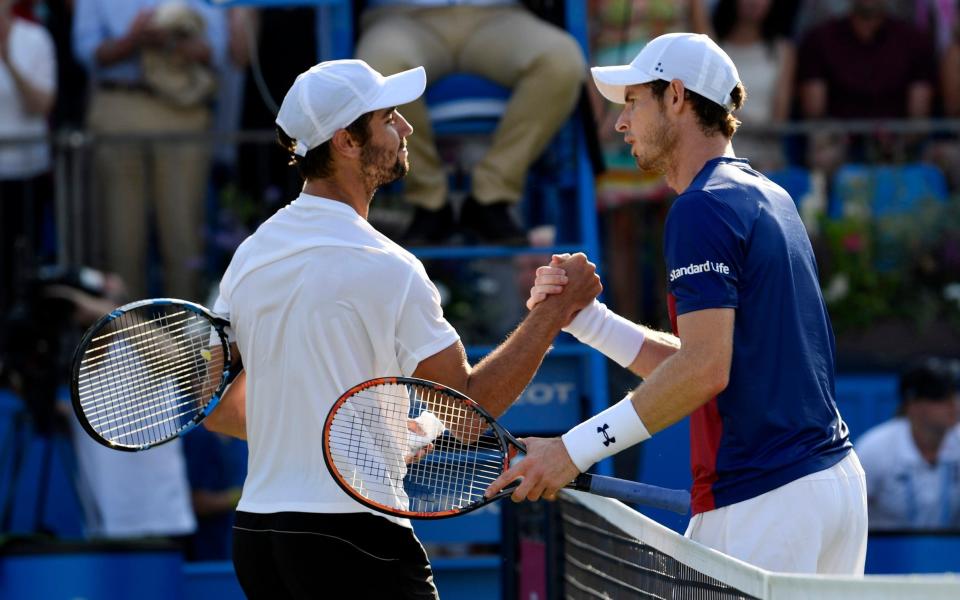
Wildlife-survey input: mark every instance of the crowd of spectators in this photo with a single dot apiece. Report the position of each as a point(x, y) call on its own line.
point(912, 461)
point(134, 70)
point(162, 85)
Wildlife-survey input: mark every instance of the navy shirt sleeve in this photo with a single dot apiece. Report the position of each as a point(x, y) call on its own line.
point(703, 247)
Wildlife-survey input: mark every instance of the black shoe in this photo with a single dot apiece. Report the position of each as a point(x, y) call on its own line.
point(430, 227)
point(492, 223)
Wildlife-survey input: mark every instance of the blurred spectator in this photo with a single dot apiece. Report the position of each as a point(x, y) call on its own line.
point(935, 18)
point(950, 80)
point(811, 13)
point(27, 90)
point(216, 466)
point(619, 31)
point(912, 461)
point(125, 494)
point(152, 67)
point(865, 65)
point(134, 494)
point(748, 30)
point(37, 337)
point(945, 150)
point(39, 331)
point(505, 43)
point(633, 202)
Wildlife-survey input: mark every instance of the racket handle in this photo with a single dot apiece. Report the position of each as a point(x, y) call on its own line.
point(677, 501)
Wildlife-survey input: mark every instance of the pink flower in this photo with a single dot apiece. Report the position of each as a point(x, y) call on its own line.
point(853, 242)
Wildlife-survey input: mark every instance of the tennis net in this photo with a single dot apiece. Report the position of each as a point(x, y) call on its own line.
point(611, 551)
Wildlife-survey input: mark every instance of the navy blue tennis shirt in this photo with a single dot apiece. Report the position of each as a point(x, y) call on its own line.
point(734, 239)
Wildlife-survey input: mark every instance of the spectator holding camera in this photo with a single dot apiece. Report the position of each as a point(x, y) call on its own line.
point(152, 65)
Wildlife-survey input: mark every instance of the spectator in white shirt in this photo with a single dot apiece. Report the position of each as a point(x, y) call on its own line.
point(28, 69)
point(912, 461)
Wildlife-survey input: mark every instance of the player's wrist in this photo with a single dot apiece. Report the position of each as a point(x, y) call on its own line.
point(614, 336)
point(615, 429)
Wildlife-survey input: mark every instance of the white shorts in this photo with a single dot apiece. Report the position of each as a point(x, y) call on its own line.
point(815, 524)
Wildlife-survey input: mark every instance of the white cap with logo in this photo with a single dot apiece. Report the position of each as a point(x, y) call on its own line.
point(693, 58)
point(331, 95)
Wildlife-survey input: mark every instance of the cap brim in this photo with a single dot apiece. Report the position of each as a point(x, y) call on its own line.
point(612, 82)
point(402, 88)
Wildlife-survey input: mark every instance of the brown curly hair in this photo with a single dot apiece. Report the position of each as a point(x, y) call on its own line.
point(712, 117)
point(318, 162)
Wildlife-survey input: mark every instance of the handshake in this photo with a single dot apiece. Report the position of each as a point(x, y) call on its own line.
point(591, 322)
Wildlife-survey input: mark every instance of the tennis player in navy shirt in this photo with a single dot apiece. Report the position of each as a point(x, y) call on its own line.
point(751, 361)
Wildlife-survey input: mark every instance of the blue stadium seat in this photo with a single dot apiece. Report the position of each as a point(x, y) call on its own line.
point(11, 411)
point(462, 103)
point(867, 400)
point(886, 190)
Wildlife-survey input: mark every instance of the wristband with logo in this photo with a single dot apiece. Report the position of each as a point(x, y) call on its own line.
point(615, 429)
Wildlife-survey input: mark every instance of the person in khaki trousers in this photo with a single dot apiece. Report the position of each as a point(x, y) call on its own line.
point(151, 66)
point(500, 41)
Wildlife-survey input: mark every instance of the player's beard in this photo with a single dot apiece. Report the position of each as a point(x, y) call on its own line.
point(382, 165)
point(660, 142)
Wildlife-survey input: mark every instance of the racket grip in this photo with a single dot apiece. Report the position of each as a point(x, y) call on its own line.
point(634, 492)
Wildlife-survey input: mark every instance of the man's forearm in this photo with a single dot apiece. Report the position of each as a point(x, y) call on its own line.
point(683, 383)
point(499, 379)
point(230, 415)
point(658, 346)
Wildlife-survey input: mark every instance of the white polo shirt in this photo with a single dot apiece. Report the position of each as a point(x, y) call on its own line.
point(904, 491)
point(319, 301)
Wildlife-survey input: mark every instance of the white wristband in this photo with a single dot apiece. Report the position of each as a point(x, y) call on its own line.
point(605, 434)
point(601, 328)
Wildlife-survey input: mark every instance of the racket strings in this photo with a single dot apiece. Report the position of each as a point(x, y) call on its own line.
point(159, 358)
point(414, 448)
point(165, 371)
point(179, 374)
point(143, 344)
point(469, 474)
point(148, 374)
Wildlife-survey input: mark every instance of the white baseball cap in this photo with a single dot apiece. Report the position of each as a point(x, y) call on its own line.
point(331, 95)
point(693, 58)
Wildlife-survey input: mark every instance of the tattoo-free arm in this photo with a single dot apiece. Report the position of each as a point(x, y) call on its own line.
point(499, 379)
point(693, 375)
point(230, 415)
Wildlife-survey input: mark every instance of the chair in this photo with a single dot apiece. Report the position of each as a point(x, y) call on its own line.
point(865, 400)
point(885, 190)
point(462, 103)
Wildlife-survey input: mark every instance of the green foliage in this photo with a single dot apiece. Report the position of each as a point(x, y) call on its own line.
point(902, 267)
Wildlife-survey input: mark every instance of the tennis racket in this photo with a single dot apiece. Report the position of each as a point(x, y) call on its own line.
point(418, 449)
point(149, 372)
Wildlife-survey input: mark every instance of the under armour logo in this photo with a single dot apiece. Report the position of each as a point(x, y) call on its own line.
point(659, 67)
point(607, 440)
